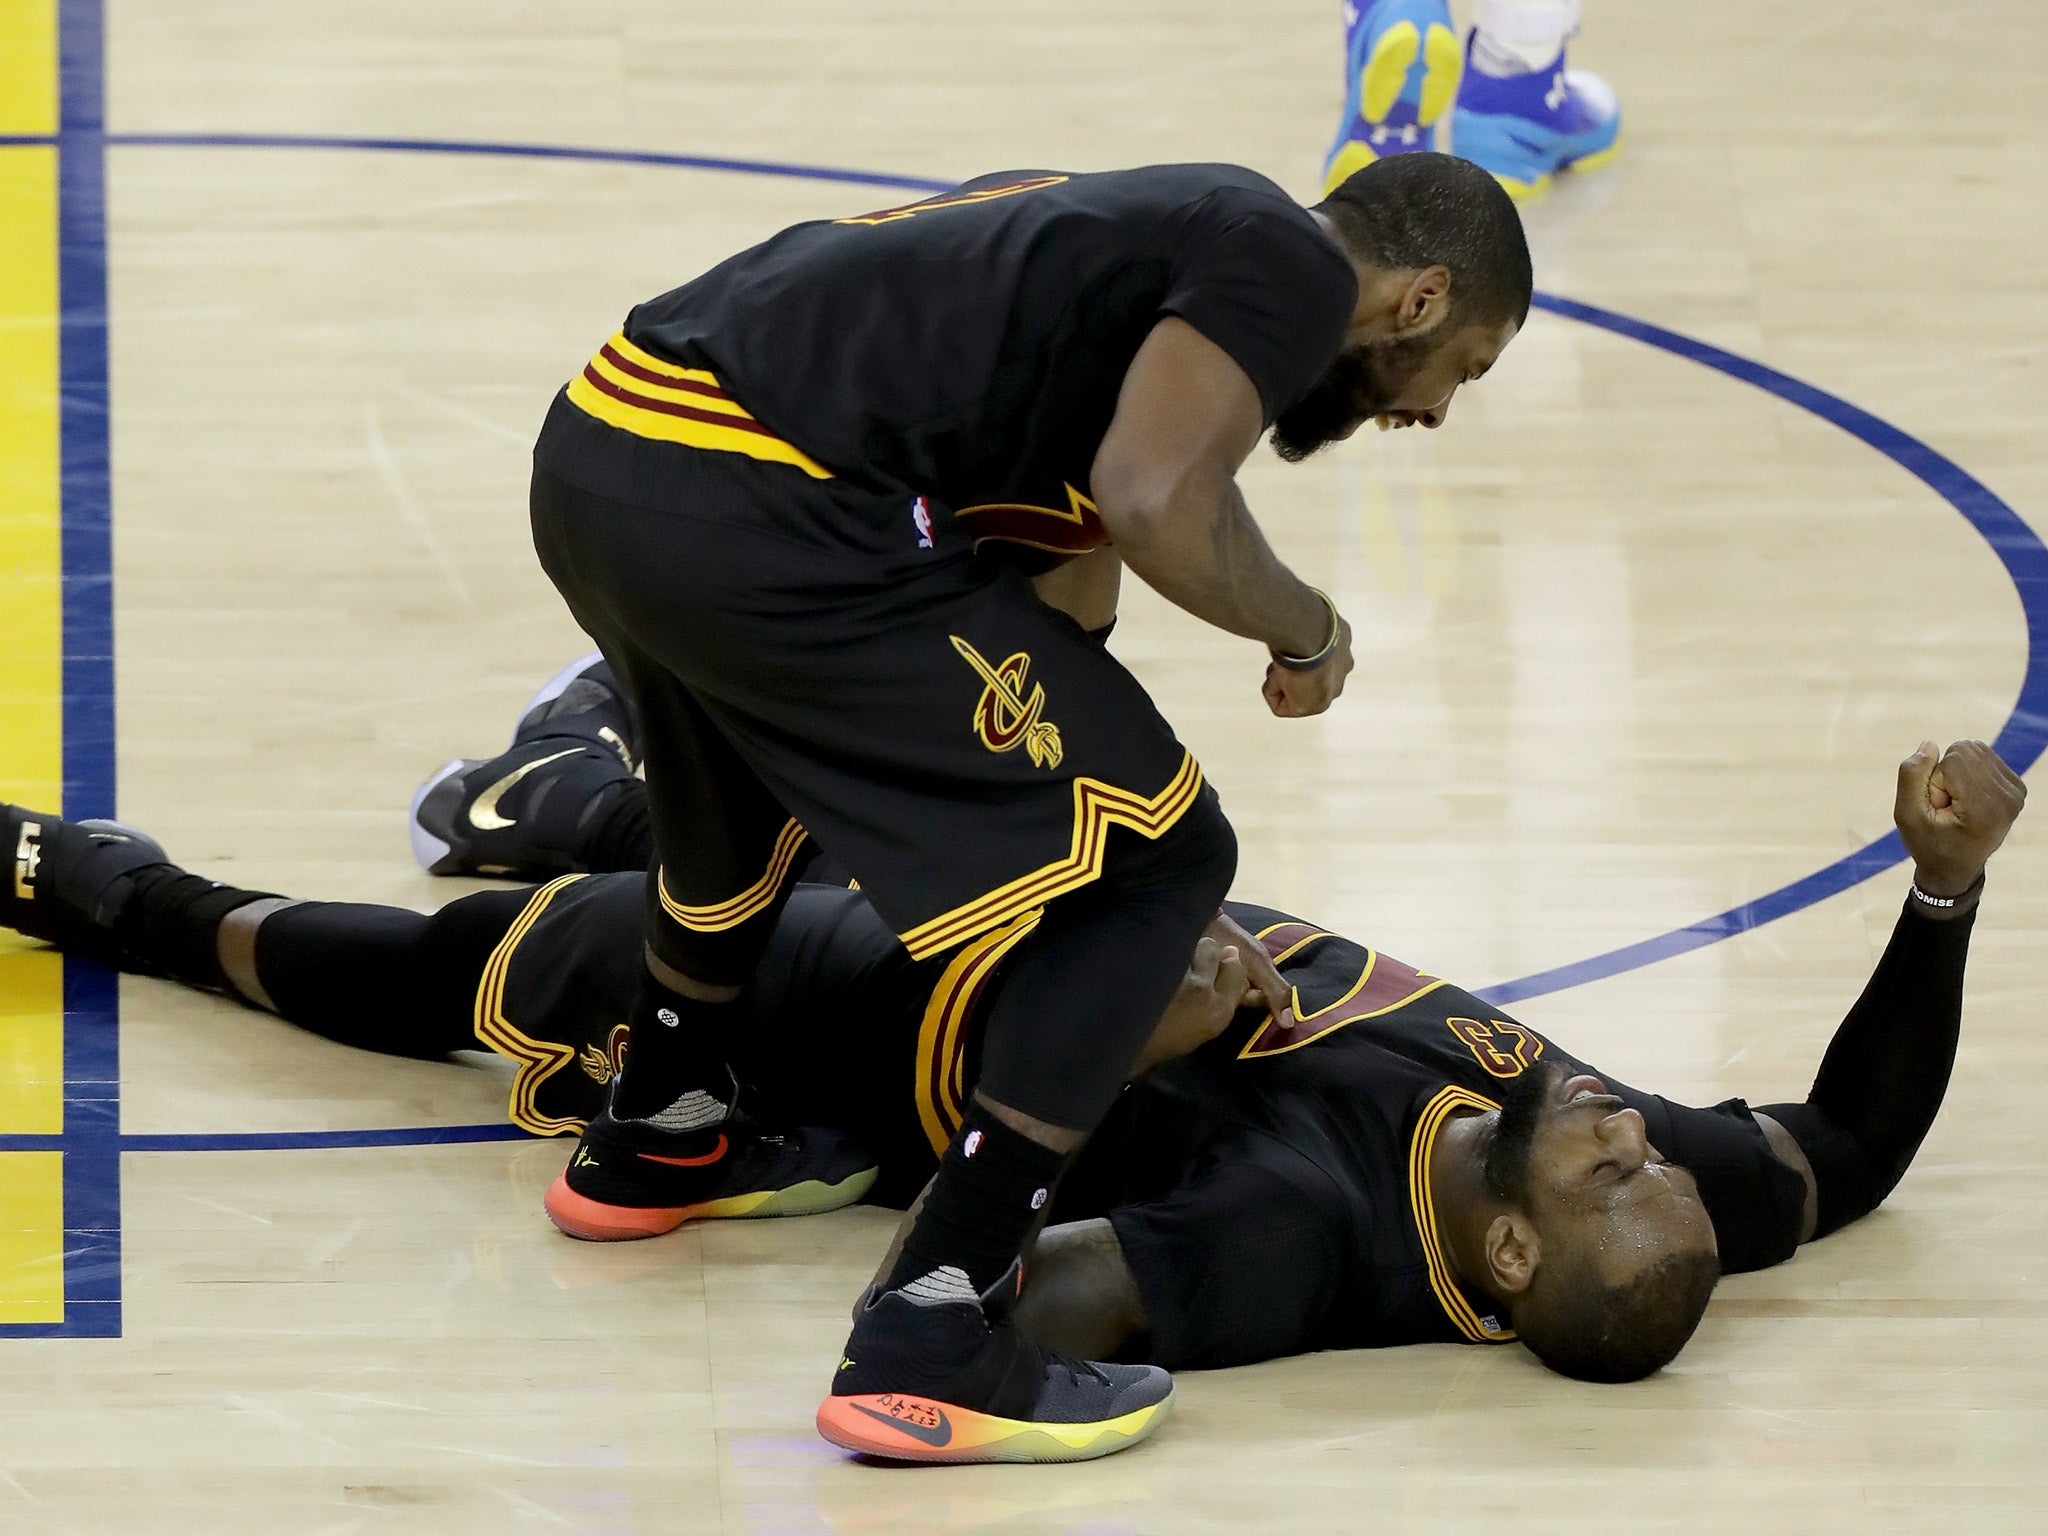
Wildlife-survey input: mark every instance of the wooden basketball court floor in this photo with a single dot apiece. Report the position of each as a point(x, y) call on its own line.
point(1642, 633)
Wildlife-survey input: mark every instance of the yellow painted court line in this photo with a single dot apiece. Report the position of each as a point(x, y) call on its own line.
point(28, 66)
point(31, 621)
point(31, 1237)
point(31, 651)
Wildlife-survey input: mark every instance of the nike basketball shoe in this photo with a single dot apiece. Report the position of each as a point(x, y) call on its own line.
point(528, 811)
point(1525, 128)
point(71, 880)
point(935, 1372)
point(1401, 68)
point(631, 1178)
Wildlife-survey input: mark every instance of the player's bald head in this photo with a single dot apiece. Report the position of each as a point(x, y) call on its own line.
point(1607, 1255)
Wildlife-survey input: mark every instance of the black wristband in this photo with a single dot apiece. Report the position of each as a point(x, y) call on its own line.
point(1942, 907)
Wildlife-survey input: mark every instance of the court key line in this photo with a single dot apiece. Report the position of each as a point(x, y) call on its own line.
point(2018, 548)
point(89, 1142)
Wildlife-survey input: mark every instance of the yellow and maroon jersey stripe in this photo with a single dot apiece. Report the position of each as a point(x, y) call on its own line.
point(755, 899)
point(630, 388)
point(538, 1059)
point(1098, 806)
point(1075, 531)
point(942, 1037)
point(1421, 1200)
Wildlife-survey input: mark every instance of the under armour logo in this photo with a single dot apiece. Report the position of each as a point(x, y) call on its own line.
point(1407, 133)
point(668, 1017)
point(1555, 96)
point(971, 1145)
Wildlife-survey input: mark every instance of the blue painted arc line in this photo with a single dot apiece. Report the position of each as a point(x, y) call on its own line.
point(525, 152)
point(2019, 549)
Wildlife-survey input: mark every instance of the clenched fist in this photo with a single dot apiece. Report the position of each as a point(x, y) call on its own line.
point(1953, 810)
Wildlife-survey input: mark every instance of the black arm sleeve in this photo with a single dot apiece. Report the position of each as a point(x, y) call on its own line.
point(1881, 1083)
point(1754, 1199)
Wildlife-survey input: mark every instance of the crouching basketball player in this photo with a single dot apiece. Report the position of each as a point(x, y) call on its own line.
point(1382, 1159)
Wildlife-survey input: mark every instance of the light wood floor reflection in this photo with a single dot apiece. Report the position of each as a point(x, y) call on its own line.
point(1637, 642)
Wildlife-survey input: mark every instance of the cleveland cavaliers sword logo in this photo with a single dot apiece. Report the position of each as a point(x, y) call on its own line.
point(1005, 715)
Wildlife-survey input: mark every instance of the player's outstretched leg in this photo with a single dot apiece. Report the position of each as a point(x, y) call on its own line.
point(1031, 1404)
point(1521, 113)
point(109, 892)
point(1401, 68)
point(545, 805)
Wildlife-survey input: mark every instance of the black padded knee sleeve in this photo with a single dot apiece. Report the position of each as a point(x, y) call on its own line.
point(383, 978)
point(1082, 994)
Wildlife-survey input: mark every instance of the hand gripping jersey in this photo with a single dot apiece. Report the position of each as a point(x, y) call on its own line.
point(1275, 1190)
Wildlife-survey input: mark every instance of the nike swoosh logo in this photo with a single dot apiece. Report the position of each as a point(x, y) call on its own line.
point(691, 1162)
point(940, 1434)
point(484, 814)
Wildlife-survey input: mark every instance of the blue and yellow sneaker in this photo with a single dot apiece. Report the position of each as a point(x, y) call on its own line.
point(1526, 128)
point(1401, 68)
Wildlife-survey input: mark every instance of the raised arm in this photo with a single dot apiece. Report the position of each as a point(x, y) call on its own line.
point(1165, 488)
point(1881, 1082)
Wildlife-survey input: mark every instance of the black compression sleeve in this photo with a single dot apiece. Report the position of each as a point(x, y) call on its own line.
point(1881, 1083)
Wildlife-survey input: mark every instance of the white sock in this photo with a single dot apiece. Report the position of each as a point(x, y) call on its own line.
point(940, 1286)
point(1519, 37)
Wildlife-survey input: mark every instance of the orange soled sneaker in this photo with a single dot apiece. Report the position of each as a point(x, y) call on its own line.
point(935, 1372)
point(631, 1178)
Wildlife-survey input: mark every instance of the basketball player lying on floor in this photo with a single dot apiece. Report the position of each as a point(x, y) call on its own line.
point(1385, 1159)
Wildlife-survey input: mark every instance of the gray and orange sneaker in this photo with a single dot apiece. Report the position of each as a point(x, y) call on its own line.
point(935, 1372)
point(631, 1179)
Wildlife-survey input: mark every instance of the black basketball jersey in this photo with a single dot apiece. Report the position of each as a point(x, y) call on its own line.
point(1271, 1191)
point(1277, 1193)
point(970, 347)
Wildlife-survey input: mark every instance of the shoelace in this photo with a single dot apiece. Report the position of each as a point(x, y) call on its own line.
point(1075, 1369)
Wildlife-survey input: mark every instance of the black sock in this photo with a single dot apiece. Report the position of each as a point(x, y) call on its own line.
point(992, 1184)
point(171, 923)
point(673, 1048)
point(616, 836)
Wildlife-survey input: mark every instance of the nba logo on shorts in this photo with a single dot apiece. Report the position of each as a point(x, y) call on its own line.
point(971, 1145)
point(921, 516)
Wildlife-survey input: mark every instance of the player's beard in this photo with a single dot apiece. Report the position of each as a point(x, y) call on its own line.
point(1364, 382)
point(1523, 1105)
